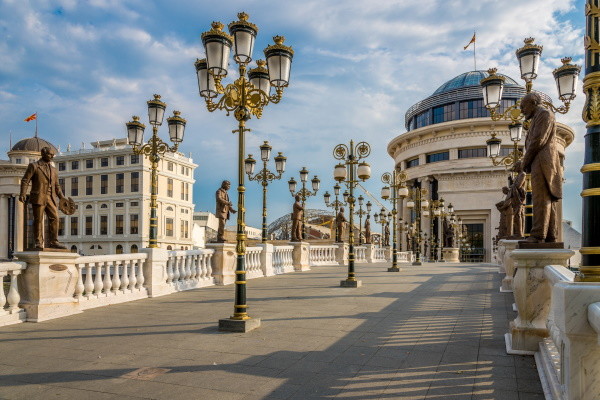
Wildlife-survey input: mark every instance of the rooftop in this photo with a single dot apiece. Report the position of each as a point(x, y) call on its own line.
point(471, 78)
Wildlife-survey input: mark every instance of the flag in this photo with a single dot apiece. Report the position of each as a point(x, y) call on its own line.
point(472, 41)
point(31, 117)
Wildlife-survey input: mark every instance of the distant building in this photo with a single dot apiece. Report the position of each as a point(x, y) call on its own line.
point(205, 228)
point(111, 187)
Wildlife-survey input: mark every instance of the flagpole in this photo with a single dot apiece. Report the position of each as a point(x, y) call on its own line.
point(36, 124)
point(475, 51)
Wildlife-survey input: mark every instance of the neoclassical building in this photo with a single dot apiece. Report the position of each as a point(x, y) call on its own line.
point(444, 150)
point(111, 187)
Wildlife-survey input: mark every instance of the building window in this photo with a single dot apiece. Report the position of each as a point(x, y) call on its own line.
point(61, 182)
point(169, 187)
point(104, 162)
point(134, 159)
point(103, 184)
point(74, 186)
point(443, 113)
point(74, 226)
point(119, 249)
point(133, 224)
point(103, 205)
point(170, 166)
point(134, 248)
point(169, 226)
point(89, 220)
point(118, 224)
point(19, 161)
point(182, 190)
point(74, 165)
point(61, 226)
point(120, 160)
point(435, 157)
point(73, 249)
point(89, 185)
point(119, 205)
point(472, 153)
point(89, 163)
point(506, 150)
point(104, 224)
point(62, 166)
point(412, 163)
point(185, 231)
point(422, 119)
point(120, 183)
point(133, 204)
point(135, 181)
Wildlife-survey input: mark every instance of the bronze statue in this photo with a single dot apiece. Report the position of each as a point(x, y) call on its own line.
point(224, 208)
point(542, 159)
point(44, 185)
point(386, 235)
point(426, 247)
point(297, 217)
point(340, 221)
point(506, 214)
point(517, 199)
point(448, 234)
point(368, 230)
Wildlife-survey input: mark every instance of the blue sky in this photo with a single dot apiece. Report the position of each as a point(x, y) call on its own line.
point(87, 66)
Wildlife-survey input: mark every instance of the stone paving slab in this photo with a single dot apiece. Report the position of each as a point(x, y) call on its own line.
point(429, 332)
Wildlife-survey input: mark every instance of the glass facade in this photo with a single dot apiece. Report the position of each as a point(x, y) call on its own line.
point(435, 157)
point(472, 153)
point(444, 113)
point(412, 163)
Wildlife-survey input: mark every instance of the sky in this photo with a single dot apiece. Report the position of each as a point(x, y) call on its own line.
point(87, 66)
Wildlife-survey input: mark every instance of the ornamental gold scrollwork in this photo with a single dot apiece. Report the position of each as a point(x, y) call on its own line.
point(363, 150)
point(340, 151)
point(386, 178)
point(591, 108)
point(592, 10)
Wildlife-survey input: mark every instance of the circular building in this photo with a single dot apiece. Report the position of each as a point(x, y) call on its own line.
point(444, 151)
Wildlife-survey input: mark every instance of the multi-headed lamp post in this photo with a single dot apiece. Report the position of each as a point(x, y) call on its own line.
point(264, 176)
point(245, 97)
point(419, 202)
point(360, 212)
point(154, 149)
point(350, 172)
point(304, 193)
point(336, 205)
point(397, 183)
point(381, 218)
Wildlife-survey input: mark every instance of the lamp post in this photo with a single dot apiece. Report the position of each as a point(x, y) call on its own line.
point(419, 203)
point(264, 176)
point(381, 218)
point(360, 212)
point(154, 149)
point(245, 97)
point(304, 193)
point(349, 172)
point(397, 183)
point(492, 87)
point(433, 213)
point(336, 205)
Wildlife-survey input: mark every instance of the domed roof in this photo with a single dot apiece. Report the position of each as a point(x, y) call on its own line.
point(470, 78)
point(33, 144)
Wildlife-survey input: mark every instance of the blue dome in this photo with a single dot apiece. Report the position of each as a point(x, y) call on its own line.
point(470, 78)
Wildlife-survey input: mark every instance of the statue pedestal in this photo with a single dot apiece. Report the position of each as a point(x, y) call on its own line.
point(300, 255)
point(450, 254)
point(508, 264)
point(370, 253)
point(48, 284)
point(532, 295)
point(223, 262)
point(341, 253)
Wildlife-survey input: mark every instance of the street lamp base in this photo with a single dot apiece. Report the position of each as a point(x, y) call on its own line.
point(393, 269)
point(238, 325)
point(417, 263)
point(350, 284)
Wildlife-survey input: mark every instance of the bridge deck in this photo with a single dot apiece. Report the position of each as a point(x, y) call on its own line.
point(434, 331)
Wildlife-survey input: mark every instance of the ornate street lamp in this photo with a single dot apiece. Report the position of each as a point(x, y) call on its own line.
point(350, 171)
point(245, 97)
point(335, 205)
point(419, 203)
point(360, 212)
point(264, 176)
point(304, 193)
point(154, 149)
point(397, 181)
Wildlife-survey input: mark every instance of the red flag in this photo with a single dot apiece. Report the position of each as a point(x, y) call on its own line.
point(472, 41)
point(31, 117)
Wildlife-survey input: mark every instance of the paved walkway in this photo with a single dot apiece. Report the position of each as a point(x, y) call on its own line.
point(434, 332)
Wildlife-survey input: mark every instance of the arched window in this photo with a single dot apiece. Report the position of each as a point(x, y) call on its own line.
point(73, 249)
point(134, 248)
point(169, 247)
point(88, 207)
point(169, 208)
point(104, 206)
point(119, 249)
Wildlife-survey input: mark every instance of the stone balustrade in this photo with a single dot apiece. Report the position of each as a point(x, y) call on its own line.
point(253, 262)
point(283, 259)
point(10, 312)
point(380, 254)
point(190, 269)
point(360, 254)
point(323, 255)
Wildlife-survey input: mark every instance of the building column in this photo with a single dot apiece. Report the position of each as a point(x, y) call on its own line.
point(96, 222)
point(19, 224)
point(127, 219)
point(4, 229)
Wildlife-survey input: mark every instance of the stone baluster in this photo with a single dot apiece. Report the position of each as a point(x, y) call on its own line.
point(98, 278)
point(79, 287)
point(176, 262)
point(89, 283)
point(132, 274)
point(107, 280)
point(2, 295)
point(124, 276)
point(116, 282)
point(13, 297)
point(140, 273)
point(170, 269)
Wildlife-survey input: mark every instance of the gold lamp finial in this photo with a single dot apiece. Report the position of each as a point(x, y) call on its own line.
point(157, 97)
point(217, 26)
point(135, 118)
point(243, 16)
point(529, 40)
point(261, 63)
point(278, 39)
point(492, 71)
point(176, 113)
point(566, 60)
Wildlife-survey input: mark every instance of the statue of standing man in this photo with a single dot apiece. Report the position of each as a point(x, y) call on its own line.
point(224, 208)
point(368, 230)
point(44, 185)
point(542, 159)
point(340, 221)
point(297, 217)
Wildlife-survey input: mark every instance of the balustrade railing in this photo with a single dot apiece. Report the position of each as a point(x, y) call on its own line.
point(360, 254)
point(10, 313)
point(322, 255)
point(381, 254)
point(189, 269)
point(253, 263)
point(283, 260)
